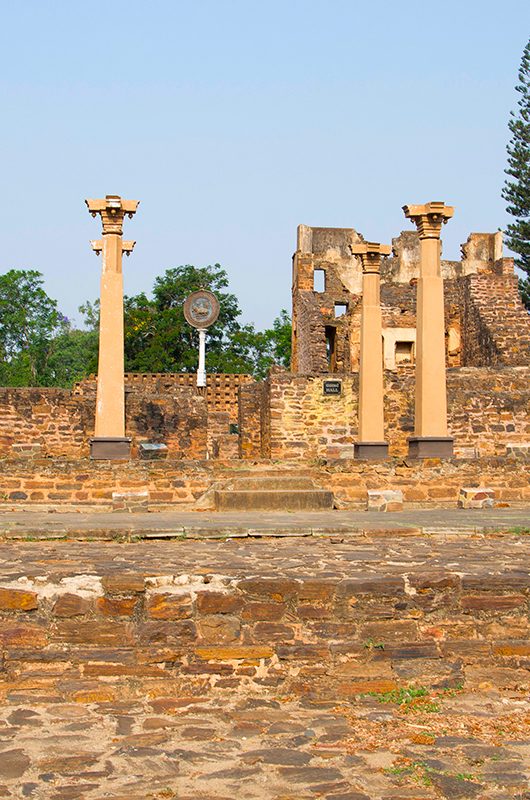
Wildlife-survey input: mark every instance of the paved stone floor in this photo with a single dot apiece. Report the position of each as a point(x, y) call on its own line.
point(342, 555)
point(41, 523)
point(451, 745)
point(446, 744)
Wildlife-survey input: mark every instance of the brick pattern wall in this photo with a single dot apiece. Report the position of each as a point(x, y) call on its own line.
point(52, 418)
point(495, 324)
point(324, 637)
point(487, 409)
point(182, 483)
point(221, 389)
point(62, 423)
point(251, 401)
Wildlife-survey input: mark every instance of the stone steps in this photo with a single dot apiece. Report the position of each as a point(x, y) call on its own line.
point(272, 490)
point(275, 482)
point(273, 500)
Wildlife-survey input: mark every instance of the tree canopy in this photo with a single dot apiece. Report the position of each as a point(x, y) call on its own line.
point(29, 322)
point(516, 190)
point(39, 346)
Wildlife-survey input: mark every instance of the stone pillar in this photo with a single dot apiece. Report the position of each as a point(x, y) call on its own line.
point(430, 438)
point(371, 444)
point(109, 440)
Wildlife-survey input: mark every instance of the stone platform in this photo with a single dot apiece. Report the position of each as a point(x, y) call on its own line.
point(384, 663)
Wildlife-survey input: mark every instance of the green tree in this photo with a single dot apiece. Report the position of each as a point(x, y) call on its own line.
point(516, 190)
point(28, 321)
point(158, 338)
point(73, 355)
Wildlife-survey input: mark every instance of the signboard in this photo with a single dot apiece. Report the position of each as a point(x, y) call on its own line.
point(332, 387)
point(201, 309)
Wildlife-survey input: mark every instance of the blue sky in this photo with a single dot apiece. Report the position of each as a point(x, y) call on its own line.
point(234, 121)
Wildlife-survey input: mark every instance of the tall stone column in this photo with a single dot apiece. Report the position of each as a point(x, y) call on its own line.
point(430, 438)
point(109, 440)
point(371, 444)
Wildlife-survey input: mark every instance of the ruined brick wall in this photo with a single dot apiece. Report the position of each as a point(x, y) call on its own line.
point(51, 418)
point(221, 388)
point(182, 483)
point(180, 420)
point(62, 423)
point(251, 400)
point(113, 635)
point(495, 324)
point(485, 322)
point(487, 409)
point(322, 336)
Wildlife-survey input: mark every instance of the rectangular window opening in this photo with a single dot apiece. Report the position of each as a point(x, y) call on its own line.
point(340, 309)
point(319, 280)
point(404, 352)
point(331, 352)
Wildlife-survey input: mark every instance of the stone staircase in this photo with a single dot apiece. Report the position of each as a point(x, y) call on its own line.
point(272, 492)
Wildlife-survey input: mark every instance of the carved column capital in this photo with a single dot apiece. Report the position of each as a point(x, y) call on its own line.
point(429, 218)
point(126, 246)
point(112, 210)
point(371, 253)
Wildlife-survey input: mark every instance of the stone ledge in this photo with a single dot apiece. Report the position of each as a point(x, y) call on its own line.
point(476, 497)
point(385, 500)
point(130, 501)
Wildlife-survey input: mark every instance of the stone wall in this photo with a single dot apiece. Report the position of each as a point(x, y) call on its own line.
point(171, 628)
point(189, 485)
point(487, 409)
point(52, 418)
point(158, 408)
point(221, 389)
point(251, 409)
point(485, 322)
point(61, 422)
point(495, 325)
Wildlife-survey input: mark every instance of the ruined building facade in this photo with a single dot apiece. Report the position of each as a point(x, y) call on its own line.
point(291, 416)
point(485, 321)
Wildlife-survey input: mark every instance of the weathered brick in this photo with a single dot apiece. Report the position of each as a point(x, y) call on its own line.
point(13, 635)
point(98, 632)
point(17, 600)
point(492, 602)
point(272, 632)
point(263, 611)
point(374, 585)
point(219, 629)
point(71, 605)
point(379, 686)
point(218, 603)
point(164, 632)
point(116, 606)
point(165, 605)
point(234, 653)
point(277, 589)
point(511, 648)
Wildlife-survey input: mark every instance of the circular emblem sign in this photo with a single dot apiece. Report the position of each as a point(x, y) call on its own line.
point(201, 309)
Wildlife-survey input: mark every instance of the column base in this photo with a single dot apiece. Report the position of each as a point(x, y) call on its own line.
point(109, 448)
point(370, 451)
point(430, 447)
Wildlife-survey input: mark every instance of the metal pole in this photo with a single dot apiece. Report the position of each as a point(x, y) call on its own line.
point(201, 372)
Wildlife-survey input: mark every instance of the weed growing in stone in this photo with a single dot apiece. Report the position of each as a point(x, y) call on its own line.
point(371, 644)
point(410, 698)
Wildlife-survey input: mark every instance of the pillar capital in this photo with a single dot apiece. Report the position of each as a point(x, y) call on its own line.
point(429, 218)
point(112, 210)
point(371, 253)
point(126, 246)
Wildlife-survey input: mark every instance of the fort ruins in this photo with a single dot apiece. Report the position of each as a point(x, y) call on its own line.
point(409, 373)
